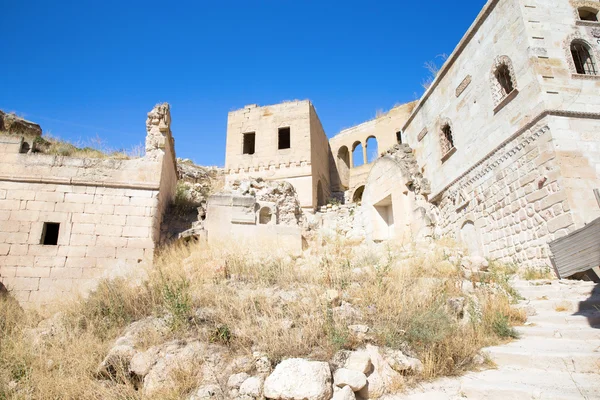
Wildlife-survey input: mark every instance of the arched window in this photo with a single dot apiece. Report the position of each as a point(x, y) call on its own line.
point(372, 149)
point(582, 58)
point(265, 216)
point(588, 14)
point(447, 140)
point(358, 194)
point(357, 155)
point(504, 79)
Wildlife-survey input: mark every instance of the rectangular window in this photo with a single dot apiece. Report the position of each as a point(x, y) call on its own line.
point(284, 138)
point(399, 137)
point(50, 234)
point(249, 143)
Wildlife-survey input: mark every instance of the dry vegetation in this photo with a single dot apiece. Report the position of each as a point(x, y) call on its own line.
point(94, 149)
point(269, 302)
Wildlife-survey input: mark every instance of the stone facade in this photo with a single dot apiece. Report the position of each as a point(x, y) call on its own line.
point(280, 142)
point(67, 222)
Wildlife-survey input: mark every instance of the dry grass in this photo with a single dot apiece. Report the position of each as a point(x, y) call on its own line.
point(270, 302)
point(95, 148)
point(563, 306)
point(532, 274)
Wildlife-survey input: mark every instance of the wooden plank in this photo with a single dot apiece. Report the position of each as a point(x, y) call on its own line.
point(577, 252)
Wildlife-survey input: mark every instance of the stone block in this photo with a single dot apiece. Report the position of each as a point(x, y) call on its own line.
point(80, 262)
point(560, 222)
point(79, 198)
point(101, 252)
point(140, 243)
point(69, 207)
point(131, 253)
point(72, 251)
point(61, 273)
point(130, 210)
point(109, 230)
point(82, 240)
point(52, 197)
point(112, 241)
point(139, 221)
point(43, 261)
point(23, 283)
point(105, 209)
point(33, 272)
point(136, 231)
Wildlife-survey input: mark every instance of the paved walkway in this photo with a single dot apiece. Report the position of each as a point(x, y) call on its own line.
point(557, 357)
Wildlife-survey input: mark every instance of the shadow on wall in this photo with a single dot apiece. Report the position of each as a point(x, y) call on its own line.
point(590, 308)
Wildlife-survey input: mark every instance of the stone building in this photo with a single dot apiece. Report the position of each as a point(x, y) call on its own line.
point(508, 133)
point(66, 222)
point(280, 142)
point(502, 151)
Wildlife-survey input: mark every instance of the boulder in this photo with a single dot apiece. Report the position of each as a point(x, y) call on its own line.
point(344, 393)
point(299, 379)
point(208, 392)
point(252, 386)
point(383, 378)
point(236, 380)
point(347, 377)
point(359, 361)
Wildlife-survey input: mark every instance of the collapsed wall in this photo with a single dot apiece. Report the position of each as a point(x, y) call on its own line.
point(67, 222)
point(255, 213)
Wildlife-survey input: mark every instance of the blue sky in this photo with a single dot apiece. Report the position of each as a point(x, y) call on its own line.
point(84, 69)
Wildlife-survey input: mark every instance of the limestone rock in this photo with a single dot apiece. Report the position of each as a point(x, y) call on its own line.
point(236, 380)
point(359, 361)
point(347, 377)
point(401, 362)
point(252, 386)
point(299, 379)
point(208, 392)
point(116, 362)
point(383, 378)
point(344, 393)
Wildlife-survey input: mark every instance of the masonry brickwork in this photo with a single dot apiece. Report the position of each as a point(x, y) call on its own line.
point(109, 214)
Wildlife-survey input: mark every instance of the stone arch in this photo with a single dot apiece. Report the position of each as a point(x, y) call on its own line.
point(584, 5)
point(578, 38)
point(265, 216)
point(469, 236)
point(503, 79)
point(358, 194)
point(372, 147)
point(320, 194)
point(343, 165)
point(357, 154)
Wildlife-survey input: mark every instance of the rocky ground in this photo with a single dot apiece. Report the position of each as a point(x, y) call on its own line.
point(557, 356)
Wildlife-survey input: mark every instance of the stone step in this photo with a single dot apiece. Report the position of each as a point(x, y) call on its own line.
point(559, 331)
point(586, 318)
point(581, 362)
point(545, 345)
point(571, 304)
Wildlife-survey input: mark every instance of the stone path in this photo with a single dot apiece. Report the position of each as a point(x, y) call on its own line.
point(557, 357)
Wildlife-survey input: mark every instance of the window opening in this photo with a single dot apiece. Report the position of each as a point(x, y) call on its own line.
point(284, 138)
point(265, 216)
point(584, 64)
point(249, 143)
point(50, 233)
point(504, 79)
point(447, 139)
point(399, 137)
point(588, 14)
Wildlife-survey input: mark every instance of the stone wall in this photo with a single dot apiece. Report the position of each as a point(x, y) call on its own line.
point(384, 129)
point(294, 164)
point(513, 203)
point(109, 213)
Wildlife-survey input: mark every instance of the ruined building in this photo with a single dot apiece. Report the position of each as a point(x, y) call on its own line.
point(501, 152)
point(65, 222)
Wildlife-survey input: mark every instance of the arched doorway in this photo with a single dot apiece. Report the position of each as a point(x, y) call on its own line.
point(468, 235)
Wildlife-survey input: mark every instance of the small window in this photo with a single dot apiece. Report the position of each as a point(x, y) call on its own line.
point(447, 140)
point(284, 138)
point(399, 137)
point(249, 142)
point(265, 217)
point(584, 63)
point(50, 233)
point(588, 14)
point(504, 79)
